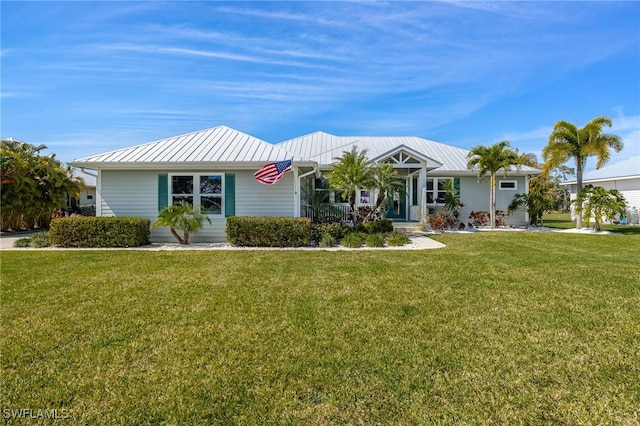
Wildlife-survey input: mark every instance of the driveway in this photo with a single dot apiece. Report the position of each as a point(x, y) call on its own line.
point(7, 240)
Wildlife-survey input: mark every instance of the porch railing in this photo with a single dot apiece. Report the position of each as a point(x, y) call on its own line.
point(327, 212)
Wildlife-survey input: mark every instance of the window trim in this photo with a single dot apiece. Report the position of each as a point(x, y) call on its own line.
point(513, 181)
point(434, 191)
point(196, 190)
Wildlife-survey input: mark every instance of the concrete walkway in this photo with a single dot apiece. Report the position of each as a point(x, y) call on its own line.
point(7, 240)
point(419, 241)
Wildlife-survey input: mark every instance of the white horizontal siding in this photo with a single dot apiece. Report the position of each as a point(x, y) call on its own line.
point(632, 197)
point(629, 188)
point(475, 197)
point(256, 199)
point(505, 196)
point(129, 193)
point(84, 196)
point(135, 193)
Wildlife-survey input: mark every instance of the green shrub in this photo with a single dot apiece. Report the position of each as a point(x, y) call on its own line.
point(327, 240)
point(335, 229)
point(181, 217)
point(374, 240)
point(22, 242)
point(269, 231)
point(112, 231)
point(376, 227)
point(353, 240)
point(38, 240)
point(397, 238)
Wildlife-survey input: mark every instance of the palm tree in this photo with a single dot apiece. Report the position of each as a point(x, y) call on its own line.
point(568, 141)
point(181, 216)
point(350, 172)
point(490, 159)
point(599, 203)
point(538, 200)
point(386, 182)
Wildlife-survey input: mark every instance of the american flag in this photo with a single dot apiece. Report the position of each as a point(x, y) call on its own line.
point(271, 173)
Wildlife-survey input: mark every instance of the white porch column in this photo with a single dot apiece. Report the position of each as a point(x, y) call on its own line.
point(298, 188)
point(296, 193)
point(99, 193)
point(423, 192)
point(526, 191)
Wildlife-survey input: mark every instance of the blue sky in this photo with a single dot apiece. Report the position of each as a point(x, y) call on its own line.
point(89, 77)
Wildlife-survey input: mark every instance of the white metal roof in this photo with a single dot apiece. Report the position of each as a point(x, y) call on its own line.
point(216, 145)
point(324, 148)
point(625, 169)
point(225, 146)
point(88, 179)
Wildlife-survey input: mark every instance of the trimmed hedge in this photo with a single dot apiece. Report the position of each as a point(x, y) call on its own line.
point(111, 231)
point(267, 231)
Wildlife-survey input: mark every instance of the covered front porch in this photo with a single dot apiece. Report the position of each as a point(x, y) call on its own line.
point(407, 204)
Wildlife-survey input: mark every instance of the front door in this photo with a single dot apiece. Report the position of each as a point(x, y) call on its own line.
point(397, 205)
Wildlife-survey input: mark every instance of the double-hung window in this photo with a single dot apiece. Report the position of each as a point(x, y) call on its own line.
point(204, 190)
point(436, 190)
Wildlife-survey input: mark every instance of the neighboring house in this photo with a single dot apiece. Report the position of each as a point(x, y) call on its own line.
point(86, 203)
point(623, 176)
point(215, 168)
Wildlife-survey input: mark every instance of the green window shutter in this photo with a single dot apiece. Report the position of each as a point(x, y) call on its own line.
point(456, 185)
point(414, 191)
point(229, 195)
point(163, 191)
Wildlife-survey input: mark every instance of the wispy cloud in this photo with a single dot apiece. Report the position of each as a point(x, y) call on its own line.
point(432, 69)
point(279, 15)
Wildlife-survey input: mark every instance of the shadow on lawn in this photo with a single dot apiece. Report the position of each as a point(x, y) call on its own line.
point(623, 229)
point(563, 221)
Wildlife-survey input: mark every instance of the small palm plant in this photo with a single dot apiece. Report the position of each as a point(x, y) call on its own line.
point(181, 216)
point(599, 203)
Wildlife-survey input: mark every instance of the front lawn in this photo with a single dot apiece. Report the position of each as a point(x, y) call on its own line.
point(498, 327)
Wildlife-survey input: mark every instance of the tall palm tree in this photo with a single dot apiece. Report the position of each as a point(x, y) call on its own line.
point(568, 141)
point(350, 172)
point(489, 160)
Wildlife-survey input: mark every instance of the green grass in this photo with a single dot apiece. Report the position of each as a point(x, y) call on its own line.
point(563, 221)
point(496, 328)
